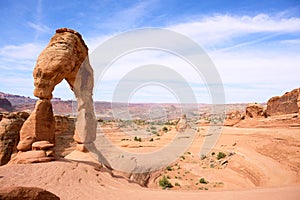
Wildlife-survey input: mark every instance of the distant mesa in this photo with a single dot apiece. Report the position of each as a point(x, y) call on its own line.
point(5, 105)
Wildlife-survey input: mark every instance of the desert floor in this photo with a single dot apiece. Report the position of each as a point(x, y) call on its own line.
point(260, 163)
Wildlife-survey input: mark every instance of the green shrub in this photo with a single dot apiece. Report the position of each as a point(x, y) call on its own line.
point(151, 140)
point(137, 139)
point(177, 184)
point(169, 168)
point(165, 183)
point(165, 129)
point(203, 181)
point(221, 155)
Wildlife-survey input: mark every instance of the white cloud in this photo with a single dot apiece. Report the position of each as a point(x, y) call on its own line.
point(221, 28)
point(40, 28)
point(28, 51)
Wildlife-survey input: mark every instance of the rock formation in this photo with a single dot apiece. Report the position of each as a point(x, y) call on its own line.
point(255, 110)
point(234, 117)
point(33, 193)
point(5, 105)
point(289, 103)
point(10, 126)
point(182, 124)
point(65, 57)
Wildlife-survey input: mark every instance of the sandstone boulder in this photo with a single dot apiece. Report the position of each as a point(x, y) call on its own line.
point(255, 111)
point(288, 103)
point(20, 193)
point(42, 145)
point(10, 126)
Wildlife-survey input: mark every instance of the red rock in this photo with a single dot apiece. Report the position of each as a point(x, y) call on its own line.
point(288, 103)
point(39, 126)
point(20, 193)
point(255, 111)
point(42, 145)
point(10, 126)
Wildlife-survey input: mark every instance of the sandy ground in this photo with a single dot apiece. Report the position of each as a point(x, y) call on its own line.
point(265, 164)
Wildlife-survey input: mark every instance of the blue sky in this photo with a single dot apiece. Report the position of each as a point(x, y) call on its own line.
point(255, 45)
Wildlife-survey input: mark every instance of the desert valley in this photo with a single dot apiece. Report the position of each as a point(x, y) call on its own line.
point(257, 154)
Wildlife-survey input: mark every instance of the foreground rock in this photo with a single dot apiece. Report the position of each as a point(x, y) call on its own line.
point(10, 126)
point(32, 193)
point(288, 103)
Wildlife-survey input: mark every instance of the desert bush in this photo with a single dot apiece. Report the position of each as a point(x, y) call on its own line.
point(169, 168)
point(203, 181)
point(221, 155)
point(165, 183)
point(137, 139)
point(165, 129)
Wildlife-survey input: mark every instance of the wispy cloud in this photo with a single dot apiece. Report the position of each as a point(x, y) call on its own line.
point(37, 25)
point(127, 18)
point(39, 28)
point(219, 29)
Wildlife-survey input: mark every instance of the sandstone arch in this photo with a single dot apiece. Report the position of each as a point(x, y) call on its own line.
point(65, 57)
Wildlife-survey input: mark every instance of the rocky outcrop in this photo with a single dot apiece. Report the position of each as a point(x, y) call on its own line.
point(182, 124)
point(234, 117)
point(65, 57)
point(288, 103)
point(10, 126)
point(5, 105)
point(32, 193)
point(255, 110)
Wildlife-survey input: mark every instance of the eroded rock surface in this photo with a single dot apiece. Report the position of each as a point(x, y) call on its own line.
point(288, 103)
point(255, 110)
point(32, 193)
point(10, 126)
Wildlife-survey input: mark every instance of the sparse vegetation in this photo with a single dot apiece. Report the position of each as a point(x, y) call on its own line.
point(203, 157)
point(169, 168)
point(137, 139)
point(165, 183)
point(177, 184)
point(151, 140)
point(221, 155)
point(165, 129)
point(203, 181)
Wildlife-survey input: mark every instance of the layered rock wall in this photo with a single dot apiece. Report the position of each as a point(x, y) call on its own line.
point(288, 103)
